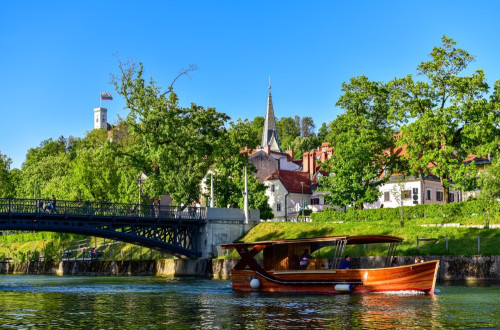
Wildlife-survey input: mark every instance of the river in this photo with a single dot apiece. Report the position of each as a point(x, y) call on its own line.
point(179, 303)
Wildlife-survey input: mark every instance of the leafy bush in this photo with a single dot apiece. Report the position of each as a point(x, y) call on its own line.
point(451, 210)
point(34, 256)
point(20, 257)
point(53, 251)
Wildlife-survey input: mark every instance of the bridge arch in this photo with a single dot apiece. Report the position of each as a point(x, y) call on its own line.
point(161, 227)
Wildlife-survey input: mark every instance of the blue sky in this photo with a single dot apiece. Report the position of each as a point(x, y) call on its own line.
point(56, 57)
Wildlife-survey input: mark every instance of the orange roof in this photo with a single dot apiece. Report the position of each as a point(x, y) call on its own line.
point(292, 180)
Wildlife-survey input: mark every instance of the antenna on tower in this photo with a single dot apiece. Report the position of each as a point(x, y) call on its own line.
point(269, 82)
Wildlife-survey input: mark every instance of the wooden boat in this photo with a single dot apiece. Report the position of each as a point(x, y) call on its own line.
point(279, 271)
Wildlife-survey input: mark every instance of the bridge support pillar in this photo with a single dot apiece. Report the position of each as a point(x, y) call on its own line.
point(224, 226)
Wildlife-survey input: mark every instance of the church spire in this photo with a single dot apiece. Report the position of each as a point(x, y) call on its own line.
point(270, 131)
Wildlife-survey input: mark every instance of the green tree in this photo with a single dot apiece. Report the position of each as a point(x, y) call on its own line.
point(229, 167)
point(445, 117)
point(489, 182)
point(360, 136)
point(323, 132)
point(175, 145)
point(46, 168)
point(306, 127)
point(257, 126)
point(304, 144)
point(7, 188)
point(287, 131)
point(94, 172)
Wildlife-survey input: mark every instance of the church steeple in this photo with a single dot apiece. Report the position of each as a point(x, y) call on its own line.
point(270, 131)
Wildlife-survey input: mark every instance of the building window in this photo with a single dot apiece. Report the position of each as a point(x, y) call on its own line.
point(272, 188)
point(387, 196)
point(406, 194)
point(314, 201)
point(429, 194)
point(96, 119)
point(278, 207)
point(439, 196)
point(451, 197)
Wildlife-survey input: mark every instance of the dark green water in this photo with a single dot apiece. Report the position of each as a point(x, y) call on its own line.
point(179, 303)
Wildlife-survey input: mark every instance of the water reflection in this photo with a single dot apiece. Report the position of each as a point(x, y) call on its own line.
point(141, 302)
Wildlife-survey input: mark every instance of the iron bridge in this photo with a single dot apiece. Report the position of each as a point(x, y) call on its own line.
point(162, 227)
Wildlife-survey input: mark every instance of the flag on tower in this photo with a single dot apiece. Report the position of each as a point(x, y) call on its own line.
point(106, 96)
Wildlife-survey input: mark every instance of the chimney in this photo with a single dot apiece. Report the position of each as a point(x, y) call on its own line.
point(290, 153)
point(267, 149)
point(305, 162)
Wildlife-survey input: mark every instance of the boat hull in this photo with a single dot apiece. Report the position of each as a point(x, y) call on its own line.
point(416, 277)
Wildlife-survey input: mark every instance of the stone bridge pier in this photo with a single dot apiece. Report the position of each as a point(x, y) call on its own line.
point(224, 226)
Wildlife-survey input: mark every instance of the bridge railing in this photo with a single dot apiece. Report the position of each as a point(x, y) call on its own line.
point(102, 209)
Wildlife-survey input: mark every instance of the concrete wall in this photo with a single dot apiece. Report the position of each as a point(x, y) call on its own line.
point(224, 226)
point(450, 267)
point(166, 267)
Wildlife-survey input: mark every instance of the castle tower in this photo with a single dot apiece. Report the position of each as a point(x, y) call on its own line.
point(100, 118)
point(270, 132)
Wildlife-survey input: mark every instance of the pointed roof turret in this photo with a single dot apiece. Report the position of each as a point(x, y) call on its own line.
point(270, 131)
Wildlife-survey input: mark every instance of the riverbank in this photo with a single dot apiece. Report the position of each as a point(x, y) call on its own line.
point(452, 268)
point(435, 240)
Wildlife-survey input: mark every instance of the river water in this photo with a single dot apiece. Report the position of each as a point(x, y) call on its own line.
point(180, 303)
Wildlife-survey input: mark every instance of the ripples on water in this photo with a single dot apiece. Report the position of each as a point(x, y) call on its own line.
point(149, 302)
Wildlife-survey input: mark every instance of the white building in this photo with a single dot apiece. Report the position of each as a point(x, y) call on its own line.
point(413, 191)
point(287, 192)
point(100, 118)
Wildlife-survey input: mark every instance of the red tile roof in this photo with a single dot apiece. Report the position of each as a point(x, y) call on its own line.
point(291, 180)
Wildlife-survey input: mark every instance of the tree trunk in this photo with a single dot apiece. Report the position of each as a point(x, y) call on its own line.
point(487, 216)
point(446, 190)
point(401, 212)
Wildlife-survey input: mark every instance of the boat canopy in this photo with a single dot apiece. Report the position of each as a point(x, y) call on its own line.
point(320, 241)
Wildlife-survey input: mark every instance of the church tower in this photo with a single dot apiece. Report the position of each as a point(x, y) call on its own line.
point(270, 132)
point(100, 118)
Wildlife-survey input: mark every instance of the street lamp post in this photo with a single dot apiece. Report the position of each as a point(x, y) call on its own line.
point(302, 184)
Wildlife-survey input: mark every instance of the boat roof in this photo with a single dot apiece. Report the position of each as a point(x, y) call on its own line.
point(322, 241)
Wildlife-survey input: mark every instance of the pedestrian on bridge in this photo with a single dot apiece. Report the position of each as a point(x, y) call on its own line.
point(53, 203)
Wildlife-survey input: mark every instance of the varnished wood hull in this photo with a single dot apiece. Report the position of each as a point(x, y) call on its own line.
point(416, 277)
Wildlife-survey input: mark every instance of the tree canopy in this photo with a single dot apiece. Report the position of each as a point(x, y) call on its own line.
point(360, 138)
point(445, 117)
point(175, 145)
point(228, 172)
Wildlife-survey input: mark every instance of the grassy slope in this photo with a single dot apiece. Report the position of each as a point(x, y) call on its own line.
point(29, 242)
point(461, 241)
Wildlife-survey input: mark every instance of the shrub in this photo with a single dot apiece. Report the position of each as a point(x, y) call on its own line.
point(451, 210)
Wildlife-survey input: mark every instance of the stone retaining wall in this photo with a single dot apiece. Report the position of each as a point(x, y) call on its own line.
point(451, 267)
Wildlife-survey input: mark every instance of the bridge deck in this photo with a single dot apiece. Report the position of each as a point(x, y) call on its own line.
point(170, 228)
point(39, 208)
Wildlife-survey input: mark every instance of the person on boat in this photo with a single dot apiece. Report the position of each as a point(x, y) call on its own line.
point(395, 262)
point(305, 259)
point(417, 260)
point(346, 264)
point(422, 260)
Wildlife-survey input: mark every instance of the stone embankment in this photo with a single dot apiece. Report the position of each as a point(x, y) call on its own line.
point(451, 267)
